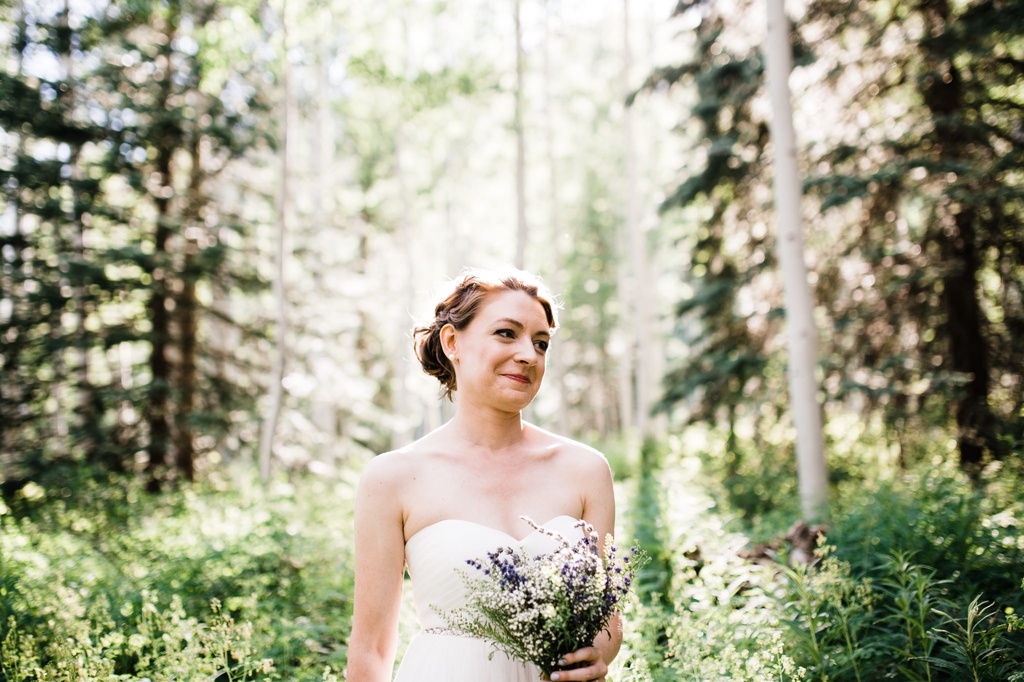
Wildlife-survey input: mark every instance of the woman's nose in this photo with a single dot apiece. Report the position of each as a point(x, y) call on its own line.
point(526, 352)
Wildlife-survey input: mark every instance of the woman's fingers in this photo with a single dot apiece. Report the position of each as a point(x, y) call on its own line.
point(593, 666)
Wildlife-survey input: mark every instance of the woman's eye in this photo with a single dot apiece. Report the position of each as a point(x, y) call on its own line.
point(506, 333)
point(542, 346)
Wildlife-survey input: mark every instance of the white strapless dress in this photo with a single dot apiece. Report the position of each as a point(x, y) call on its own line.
point(436, 557)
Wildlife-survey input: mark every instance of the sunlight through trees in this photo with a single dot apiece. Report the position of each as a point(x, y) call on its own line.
point(222, 219)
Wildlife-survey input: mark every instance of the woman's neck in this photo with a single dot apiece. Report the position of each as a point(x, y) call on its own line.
point(487, 430)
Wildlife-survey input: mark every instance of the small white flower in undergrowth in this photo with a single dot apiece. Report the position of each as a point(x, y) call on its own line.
point(538, 608)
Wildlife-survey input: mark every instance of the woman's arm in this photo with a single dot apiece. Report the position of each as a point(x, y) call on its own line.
point(598, 495)
point(610, 640)
point(379, 570)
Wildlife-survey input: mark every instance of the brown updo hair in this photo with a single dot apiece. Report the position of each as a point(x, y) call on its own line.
point(460, 306)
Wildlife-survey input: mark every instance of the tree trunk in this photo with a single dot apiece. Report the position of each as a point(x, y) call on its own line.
point(186, 316)
point(276, 386)
point(186, 311)
point(85, 417)
point(405, 281)
point(556, 360)
point(158, 409)
point(642, 291)
point(802, 333)
point(956, 235)
point(61, 441)
point(522, 230)
point(321, 151)
point(968, 351)
point(157, 416)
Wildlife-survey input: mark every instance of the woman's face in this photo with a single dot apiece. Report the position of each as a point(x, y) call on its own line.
point(499, 356)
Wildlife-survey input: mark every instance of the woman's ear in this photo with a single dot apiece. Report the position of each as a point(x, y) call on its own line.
point(448, 334)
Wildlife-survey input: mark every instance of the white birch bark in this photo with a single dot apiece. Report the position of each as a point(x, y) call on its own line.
point(322, 184)
point(276, 386)
point(802, 333)
point(556, 361)
point(641, 290)
point(401, 433)
point(521, 231)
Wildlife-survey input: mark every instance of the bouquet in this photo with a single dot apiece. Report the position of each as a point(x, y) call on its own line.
point(538, 608)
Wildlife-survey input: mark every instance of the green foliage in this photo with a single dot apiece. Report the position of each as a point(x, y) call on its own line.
point(827, 612)
point(116, 250)
point(649, 528)
point(920, 579)
point(976, 652)
point(714, 620)
point(190, 585)
point(933, 216)
point(915, 243)
point(167, 645)
point(911, 596)
point(963, 531)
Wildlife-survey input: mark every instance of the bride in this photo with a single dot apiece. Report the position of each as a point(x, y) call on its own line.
point(461, 490)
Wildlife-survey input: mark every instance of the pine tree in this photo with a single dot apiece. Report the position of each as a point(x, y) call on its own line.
point(935, 199)
point(116, 236)
point(730, 345)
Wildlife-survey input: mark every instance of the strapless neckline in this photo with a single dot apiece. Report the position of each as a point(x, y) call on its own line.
point(496, 531)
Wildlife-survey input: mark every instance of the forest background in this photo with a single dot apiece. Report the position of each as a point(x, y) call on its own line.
point(222, 220)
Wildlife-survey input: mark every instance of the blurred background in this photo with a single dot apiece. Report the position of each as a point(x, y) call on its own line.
point(223, 219)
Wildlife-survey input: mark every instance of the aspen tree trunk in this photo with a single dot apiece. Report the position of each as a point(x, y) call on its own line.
point(803, 355)
point(623, 351)
point(555, 361)
point(638, 257)
point(401, 433)
point(321, 151)
point(522, 231)
point(276, 386)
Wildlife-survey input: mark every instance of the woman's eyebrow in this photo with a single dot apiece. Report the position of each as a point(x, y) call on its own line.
point(519, 325)
point(508, 320)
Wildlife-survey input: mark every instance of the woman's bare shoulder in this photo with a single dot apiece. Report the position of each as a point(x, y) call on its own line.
point(395, 464)
point(388, 482)
point(573, 452)
point(402, 464)
point(591, 476)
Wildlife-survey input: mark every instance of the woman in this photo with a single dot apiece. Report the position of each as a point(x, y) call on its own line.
point(462, 489)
